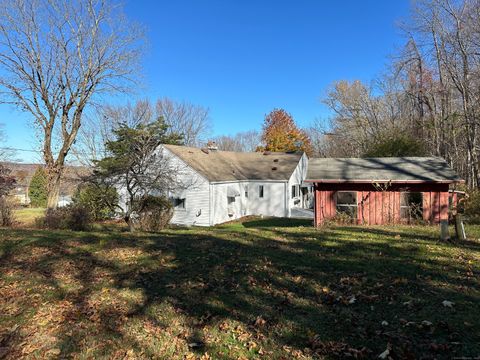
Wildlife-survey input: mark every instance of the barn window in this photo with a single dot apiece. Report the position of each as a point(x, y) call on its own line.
point(246, 191)
point(411, 206)
point(347, 203)
point(260, 191)
point(178, 204)
point(230, 200)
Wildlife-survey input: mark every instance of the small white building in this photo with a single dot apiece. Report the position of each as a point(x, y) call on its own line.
point(227, 185)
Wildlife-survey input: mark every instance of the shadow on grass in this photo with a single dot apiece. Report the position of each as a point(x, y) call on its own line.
point(276, 222)
point(288, 290)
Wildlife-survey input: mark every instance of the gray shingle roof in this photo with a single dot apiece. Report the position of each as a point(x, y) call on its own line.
point(232, 166)
point(395, 169)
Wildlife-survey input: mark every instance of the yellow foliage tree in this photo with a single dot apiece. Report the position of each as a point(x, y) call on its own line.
point(280, 133)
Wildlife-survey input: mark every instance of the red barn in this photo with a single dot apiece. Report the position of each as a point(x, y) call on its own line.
point(379, 191)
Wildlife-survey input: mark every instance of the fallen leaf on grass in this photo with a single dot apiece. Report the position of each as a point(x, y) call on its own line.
point(259, 321)
point(338, 349)
point(448, 304)
point(54, 352)
point(386, 353)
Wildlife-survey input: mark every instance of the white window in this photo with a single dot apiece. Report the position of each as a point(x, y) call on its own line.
point(178, 204)
point(260, 191)
point(230, 200)
point(246, 191)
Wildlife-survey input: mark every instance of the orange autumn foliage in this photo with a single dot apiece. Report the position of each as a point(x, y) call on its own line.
point(281, 134)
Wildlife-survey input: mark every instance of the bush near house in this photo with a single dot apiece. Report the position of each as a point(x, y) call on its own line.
point(152, 213)
point(71, 217)
point(37, 190)
point(99, 200)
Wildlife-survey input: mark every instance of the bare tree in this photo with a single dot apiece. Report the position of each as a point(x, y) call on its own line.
point(318, 133)
point(445, 35)
point(192, 121)
point(98, 128)
point(6, 153)
point(358, 116)
point(430, 92)
point(227, 143)
point(250, 140)
point(57, 57)
point(246, 141)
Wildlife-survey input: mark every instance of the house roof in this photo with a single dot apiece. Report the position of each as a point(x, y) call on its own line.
point(216, 165)
point(394, 169)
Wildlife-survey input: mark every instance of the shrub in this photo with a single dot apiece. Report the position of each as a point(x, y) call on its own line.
point(342, 218)
point(98, 200)
point(37, 190)
point(72, 217)
point(6, 211)
point(152, 213)
point(472, 206)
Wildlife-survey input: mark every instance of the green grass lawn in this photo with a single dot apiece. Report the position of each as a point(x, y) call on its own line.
point(255, 289)
point(26, 216)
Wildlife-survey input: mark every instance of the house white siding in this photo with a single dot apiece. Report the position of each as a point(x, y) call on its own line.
point(296, 180)
point(197, 207)
point(271, 204)
point(273, 201)
point(224, 211)
point(196, 193)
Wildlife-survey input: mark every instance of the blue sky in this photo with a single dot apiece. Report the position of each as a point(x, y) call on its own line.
point(241, 59)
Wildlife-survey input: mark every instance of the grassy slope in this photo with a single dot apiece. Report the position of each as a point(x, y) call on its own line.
point(258, 289)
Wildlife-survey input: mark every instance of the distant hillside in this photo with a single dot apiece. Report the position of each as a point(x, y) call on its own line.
point(23, 174)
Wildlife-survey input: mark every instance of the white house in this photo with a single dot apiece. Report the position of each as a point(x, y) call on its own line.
point(225, 185)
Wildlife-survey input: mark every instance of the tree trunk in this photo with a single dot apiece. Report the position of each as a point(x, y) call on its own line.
point(53, 188)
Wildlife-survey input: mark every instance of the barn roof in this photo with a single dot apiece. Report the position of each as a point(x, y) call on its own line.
point(393, 169)
point(216, 165)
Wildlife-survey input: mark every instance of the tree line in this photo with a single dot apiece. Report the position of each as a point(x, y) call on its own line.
point(427, 103)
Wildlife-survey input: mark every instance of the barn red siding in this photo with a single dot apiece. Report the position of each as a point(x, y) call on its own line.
point(376, 207)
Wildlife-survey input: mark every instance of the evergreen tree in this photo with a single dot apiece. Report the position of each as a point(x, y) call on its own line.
point(395, 145)
point(37, 190)
point(134, 164)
